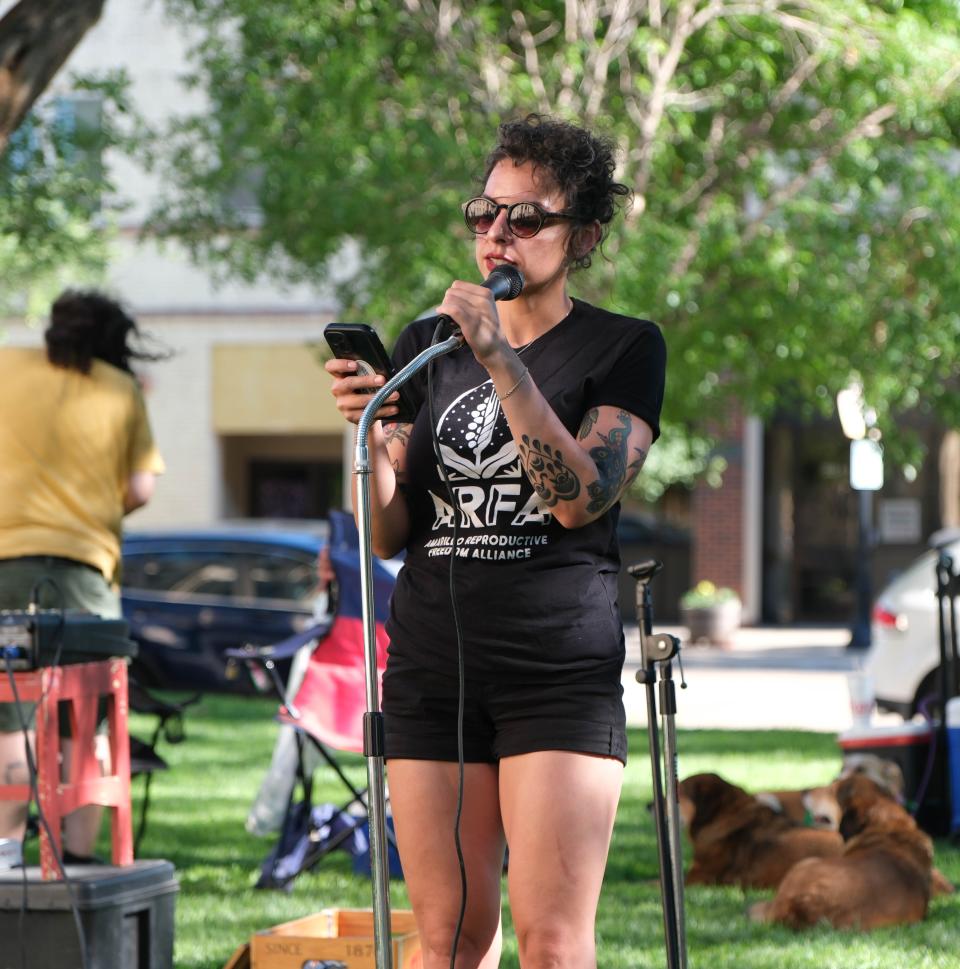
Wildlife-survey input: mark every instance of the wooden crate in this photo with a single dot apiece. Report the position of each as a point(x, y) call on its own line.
point(337, 935)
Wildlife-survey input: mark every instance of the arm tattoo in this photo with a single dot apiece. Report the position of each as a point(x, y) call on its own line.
point(615, 473)
point(16, 772)
point(551, 478)
point(589, 419)
point(393, 431)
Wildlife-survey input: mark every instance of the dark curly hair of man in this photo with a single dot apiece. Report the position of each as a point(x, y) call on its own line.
point(580, 164)
point(86, 325)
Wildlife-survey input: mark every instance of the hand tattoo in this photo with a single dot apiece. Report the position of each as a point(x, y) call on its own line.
point(611, 461)
point(550, 477)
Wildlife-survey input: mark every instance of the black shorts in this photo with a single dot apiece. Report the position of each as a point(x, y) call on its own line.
point(502, 718)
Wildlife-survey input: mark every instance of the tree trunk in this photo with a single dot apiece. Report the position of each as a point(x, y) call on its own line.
point(36, 37)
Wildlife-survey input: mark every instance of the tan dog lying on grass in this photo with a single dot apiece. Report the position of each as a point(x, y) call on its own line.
point(883, 877)
point(817, 807)
point(738, 841)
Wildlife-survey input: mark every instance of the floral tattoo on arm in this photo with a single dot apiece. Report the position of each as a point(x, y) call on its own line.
point(551, 478)
point(555, 481)
point(614, 468)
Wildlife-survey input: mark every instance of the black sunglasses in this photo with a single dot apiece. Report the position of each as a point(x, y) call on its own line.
point(524, 219)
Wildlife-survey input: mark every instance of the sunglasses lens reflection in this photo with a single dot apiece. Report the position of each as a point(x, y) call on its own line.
point(480, 215)
point(523, 218)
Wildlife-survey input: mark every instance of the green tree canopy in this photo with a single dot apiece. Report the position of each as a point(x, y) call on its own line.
point(54, 189)
point(793, 163)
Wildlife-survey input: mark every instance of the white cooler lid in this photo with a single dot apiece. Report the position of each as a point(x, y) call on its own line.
point(953, 712)
point(906, 732)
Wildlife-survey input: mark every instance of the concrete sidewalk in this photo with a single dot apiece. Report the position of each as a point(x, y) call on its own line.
point(769, 678)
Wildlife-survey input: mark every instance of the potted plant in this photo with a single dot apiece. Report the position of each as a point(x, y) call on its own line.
point(711, 613)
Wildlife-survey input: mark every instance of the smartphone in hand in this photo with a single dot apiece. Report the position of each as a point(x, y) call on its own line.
point(360, 342)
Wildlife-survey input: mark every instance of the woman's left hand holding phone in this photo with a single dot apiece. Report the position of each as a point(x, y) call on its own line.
point(352, 390)
point(389, 517)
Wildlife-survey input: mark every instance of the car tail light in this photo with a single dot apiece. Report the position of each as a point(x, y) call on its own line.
point(888, 620)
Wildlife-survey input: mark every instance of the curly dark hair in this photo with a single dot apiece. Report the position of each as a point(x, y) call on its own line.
point(579, 163)
point(85, 325)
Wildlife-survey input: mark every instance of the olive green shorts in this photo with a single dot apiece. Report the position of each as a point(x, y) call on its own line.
point(56, 583)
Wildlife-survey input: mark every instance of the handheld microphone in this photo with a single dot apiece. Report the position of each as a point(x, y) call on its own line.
point(505, 282)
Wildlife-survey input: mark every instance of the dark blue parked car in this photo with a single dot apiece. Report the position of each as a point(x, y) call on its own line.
point(191, 594)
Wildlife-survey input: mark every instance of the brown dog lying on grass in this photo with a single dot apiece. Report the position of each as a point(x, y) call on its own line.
point(739, 841)
point(817, 807)
point(883, 877)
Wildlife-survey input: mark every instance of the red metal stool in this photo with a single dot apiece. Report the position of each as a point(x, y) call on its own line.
point(80, 686)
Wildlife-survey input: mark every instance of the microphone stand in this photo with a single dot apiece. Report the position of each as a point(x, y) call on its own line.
point(659, 650)
point(373, 733)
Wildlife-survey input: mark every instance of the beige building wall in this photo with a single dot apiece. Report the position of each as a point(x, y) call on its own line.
point(235, 388)
point(239, 376)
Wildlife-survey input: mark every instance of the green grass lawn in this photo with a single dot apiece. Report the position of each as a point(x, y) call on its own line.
point(198, 809)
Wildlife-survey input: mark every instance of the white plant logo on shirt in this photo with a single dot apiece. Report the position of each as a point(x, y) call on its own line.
point(474, 444)
point(483, 465)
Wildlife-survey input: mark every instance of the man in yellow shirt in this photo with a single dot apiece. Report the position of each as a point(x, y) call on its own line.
point(76, 456)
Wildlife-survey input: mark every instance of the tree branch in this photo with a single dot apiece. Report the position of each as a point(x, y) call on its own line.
point(532, 60)
point(870, 126)
point(620, 30)
point(661, 74)
point(36, 38)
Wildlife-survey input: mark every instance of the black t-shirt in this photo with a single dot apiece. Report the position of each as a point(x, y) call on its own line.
point(534, 598)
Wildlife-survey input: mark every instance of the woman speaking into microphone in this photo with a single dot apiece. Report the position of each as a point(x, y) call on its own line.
point(506, 644)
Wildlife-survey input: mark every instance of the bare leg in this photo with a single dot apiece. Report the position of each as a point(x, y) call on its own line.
point(423, 797)
point(81, 827)
point(14, 770)
point(558, 812)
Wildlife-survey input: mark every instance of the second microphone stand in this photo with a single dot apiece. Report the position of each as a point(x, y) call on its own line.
point(659, 650)
point(373, 734)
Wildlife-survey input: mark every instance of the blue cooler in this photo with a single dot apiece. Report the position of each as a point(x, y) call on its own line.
point(953, 750)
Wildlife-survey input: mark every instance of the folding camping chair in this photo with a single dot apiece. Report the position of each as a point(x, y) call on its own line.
point(144, 759)
point(327, 709)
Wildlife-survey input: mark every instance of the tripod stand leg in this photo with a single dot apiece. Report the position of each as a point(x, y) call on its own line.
point(674, 826)
point(668, 874)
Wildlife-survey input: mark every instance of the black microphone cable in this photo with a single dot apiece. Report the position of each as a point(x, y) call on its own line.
point(461, 677)
point(58, 634)
point(34, 784)
point(506, 283)
point(35, 792)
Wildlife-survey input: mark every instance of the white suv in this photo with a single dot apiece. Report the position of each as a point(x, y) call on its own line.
point(904, 658)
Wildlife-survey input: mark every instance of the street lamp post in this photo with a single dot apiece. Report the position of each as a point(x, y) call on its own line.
point(866, 477)
point(860, 630)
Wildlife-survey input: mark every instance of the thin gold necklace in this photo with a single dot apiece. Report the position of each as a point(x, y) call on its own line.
point(526, 346)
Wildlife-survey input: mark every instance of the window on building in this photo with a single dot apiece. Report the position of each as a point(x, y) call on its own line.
point(65, 132)
point(294, 489)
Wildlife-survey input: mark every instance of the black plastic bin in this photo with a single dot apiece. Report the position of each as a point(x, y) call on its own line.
point(126, 913)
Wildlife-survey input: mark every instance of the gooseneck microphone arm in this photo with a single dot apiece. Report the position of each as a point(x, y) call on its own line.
point(373, 733)
point(505, 282)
